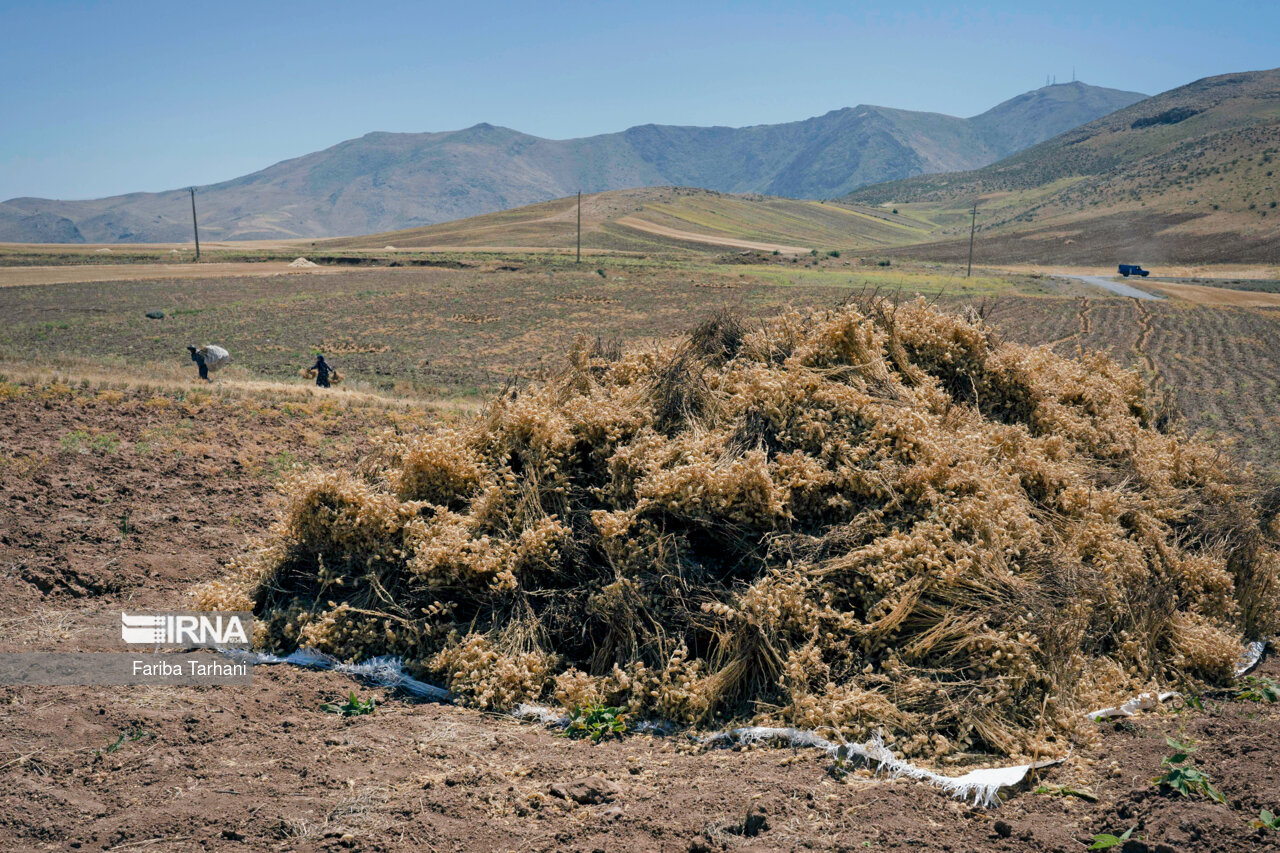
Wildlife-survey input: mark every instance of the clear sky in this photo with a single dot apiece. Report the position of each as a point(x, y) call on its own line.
point(102, 98)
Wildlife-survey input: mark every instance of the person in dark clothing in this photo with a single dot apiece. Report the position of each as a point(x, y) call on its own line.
point(198, 358)
point(322, 369)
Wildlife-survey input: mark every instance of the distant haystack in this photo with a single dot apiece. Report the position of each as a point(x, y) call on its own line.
point(103, 251)
point(303, 263)
point(388, 248)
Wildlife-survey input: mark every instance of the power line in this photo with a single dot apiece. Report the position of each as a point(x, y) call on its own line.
point(194, 226)
point(972, 227)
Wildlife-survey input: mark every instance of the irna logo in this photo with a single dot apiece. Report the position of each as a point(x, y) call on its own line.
point(186, 629)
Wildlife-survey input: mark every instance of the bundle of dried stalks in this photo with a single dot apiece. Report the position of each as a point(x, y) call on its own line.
point(879, 517)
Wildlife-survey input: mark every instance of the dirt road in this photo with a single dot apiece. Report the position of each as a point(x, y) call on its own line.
point(1118, 288)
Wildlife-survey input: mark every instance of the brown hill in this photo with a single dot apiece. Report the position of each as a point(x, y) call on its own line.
point(662, 218)
point(1186, 176)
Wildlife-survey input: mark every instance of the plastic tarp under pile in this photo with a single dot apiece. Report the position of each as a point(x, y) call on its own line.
point(385, 671)
point(982, 786)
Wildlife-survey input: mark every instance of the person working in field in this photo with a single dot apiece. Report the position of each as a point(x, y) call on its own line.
point(322, 370)
point(208, 357)
point(198, 358)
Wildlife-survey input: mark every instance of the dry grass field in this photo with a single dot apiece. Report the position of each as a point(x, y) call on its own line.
point(468, 327)
point(663, 219)
point(431, 331)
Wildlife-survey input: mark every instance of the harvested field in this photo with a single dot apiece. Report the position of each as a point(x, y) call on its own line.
point(1220, 364)
point(96, 398)
point(98, 483)
point(413, 329)
point(694, 237)
point(407, 331)
point(17, 276)
point(261, 768)
point(1206, 295)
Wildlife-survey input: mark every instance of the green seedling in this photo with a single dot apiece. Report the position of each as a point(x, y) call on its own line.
point(1191, 702)
point(73, 442)
point(596, 722)
point(1267, 820)
point(1183, 776)
point(1105, 841)
point(841, 769)
point(129, 736)
point(1259, 689)
point(353, 707)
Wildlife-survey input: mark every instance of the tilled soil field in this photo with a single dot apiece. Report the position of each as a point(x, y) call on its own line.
point(124, 499)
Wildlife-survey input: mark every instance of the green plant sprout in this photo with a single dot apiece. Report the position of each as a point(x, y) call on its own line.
point(596, 722)
point(1105, 840)
point(353, 707)
point(1183, 776)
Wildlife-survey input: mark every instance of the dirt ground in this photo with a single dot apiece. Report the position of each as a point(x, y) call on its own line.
point(71, 273)
point(112, 499)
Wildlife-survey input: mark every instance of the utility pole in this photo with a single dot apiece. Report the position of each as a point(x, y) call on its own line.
point(972, 226)
point(579, 227)
point(194, 226)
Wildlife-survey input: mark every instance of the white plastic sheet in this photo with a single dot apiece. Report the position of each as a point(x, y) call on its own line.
point(980, 786)
point(1250, 656)
point(1143, 702)
point(386, 671)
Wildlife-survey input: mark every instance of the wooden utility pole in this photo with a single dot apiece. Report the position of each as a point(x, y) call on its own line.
point(579, 227)
point(194, 226)
point(972, 225)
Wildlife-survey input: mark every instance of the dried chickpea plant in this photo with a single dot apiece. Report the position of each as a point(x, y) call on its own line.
point(880, 517)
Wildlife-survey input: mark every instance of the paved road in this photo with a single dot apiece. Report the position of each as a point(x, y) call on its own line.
point(1115, 287)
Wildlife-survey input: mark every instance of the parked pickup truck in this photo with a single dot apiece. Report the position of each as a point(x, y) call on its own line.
point(1127, 270)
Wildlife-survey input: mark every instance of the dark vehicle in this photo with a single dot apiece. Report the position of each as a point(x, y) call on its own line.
point(1127, 270)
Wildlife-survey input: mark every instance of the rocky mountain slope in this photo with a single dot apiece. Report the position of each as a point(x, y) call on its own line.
point(389, 181)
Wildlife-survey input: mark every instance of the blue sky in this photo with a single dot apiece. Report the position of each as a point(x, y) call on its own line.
point(106, 98)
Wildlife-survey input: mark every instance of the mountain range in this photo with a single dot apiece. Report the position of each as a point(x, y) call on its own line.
point(389, 181)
